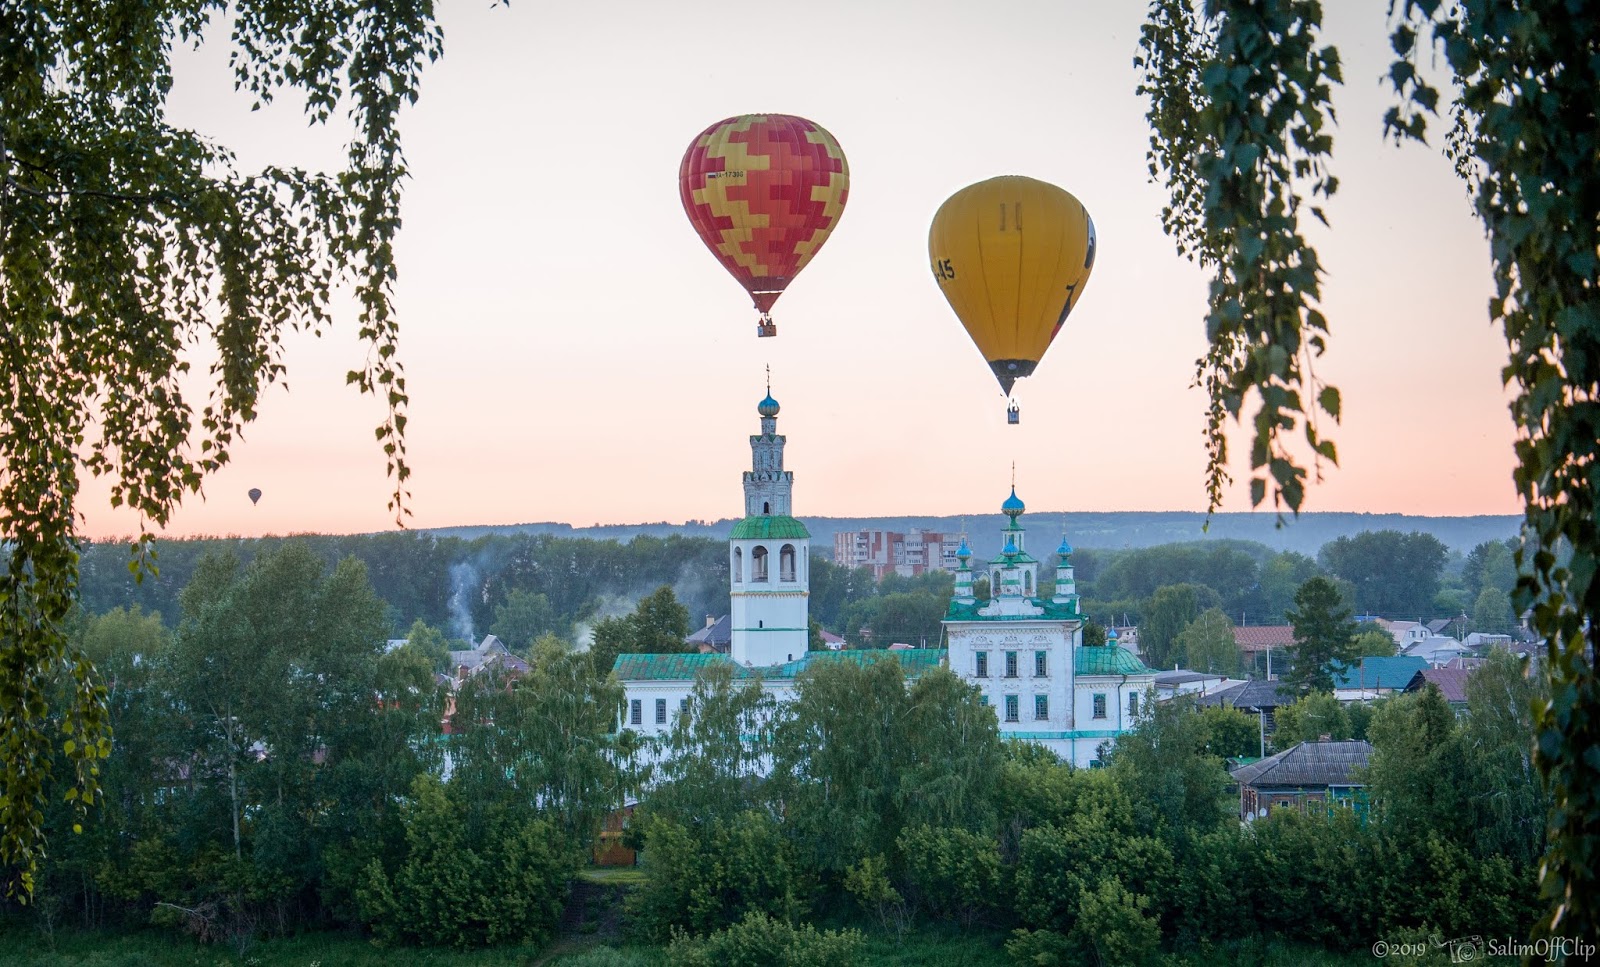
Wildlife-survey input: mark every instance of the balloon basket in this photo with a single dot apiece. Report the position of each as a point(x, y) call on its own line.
point(1013, 416)
point(766, 327)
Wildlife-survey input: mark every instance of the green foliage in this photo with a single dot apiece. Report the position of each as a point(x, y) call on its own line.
point(704, 878)
point(1491, 613)
point(1171, 609)
point(761, 941)
point(868, 882)
point(1323, 633)
point(1524, 138)
point(127, 240)
point(1506, 798)
point(1100, 839)
point(716, 757)
point(954, 874)
point(1240, 118)
point(467, 881)
point(1417, 775)
point(1373, 644)
point(1094, 634)
point(858, 756)
point(1229, 733)
point(1392, 573)
point(1174, 784)
point(430, 646)
point(525, 617)
point(1230, 568)
point(547, 739)
point(1206, 644)
point(1310, 717)
point(1115, 924)
point(659, 625)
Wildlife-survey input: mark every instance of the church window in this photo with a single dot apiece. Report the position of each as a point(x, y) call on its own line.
point(1041, 707)
point(1099, 706)
point(661, 711)
point(758, 564)
point(1011, 664)
point(1133, 703)
point(766, 507)
point(1011, 709)
point(683, 708)
point(1041, 666)
point(636, 712)
point(738, 565)
point(983, 700)
point(983, 665)
point(786, 563)
point(1027, 583)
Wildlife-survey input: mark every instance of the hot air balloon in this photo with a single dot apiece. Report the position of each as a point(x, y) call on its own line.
point(255, 495)
point(1012, 255)
point(764, 191)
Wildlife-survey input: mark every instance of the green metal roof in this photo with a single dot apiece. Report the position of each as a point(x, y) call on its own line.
point(1379, 672)
point(765, 527)
point(635, 668)
point(1052, 612)
point(1107, 660)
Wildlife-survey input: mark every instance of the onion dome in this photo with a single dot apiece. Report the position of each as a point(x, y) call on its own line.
point(1111, 635)
point(768, 407)
point(963, 553)
point(1013, 507)
point(1065, 549)
point(1011, 548)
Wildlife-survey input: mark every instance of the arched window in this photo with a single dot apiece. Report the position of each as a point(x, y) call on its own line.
point(1027, 583)
point(738, 565)
point(758, 564)
point(786, 563)
point(766, 508)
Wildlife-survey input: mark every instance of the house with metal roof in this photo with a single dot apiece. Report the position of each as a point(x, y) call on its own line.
point(1307, 776)
point(1451, 682)
point(1374, 677)
point(1025, 653)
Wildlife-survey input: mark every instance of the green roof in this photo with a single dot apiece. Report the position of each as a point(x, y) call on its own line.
point(1052, 612)
point(1379, 672)
point(759, 527)
point(1107, 660)
point(635, 668)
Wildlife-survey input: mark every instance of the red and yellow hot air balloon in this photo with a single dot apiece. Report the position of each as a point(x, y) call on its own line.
point(764, 191)
point(1012, 256)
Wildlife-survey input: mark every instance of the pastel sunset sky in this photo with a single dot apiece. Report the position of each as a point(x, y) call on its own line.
point(575, 354)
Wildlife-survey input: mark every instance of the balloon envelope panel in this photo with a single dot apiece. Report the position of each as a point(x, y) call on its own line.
point(764, 191)
point(1012, 256)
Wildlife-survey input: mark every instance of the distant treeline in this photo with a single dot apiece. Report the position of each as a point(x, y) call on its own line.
point(1110, 530)
point(469, 587)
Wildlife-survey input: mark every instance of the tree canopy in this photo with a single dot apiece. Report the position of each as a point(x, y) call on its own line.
point(125, 239)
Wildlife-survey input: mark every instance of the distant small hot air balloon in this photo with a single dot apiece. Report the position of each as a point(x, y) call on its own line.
point(764, 191)
point(255, 495)
point(1012, 255)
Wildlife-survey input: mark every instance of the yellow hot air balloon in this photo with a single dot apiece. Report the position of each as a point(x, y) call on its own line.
point(1012, 255)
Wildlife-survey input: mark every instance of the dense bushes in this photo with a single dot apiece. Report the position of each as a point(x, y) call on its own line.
point(467, 881)
point(761, 941)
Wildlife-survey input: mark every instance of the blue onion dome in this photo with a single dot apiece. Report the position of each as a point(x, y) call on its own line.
point(1111, 634)
point(1013, 507)
point(1011, 548)
point(963, 553)
point(1065, 550)
point(768, 407)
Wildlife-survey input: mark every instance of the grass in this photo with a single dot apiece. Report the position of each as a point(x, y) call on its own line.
point(614, 875)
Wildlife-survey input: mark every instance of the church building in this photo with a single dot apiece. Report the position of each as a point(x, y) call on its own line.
point(1025, 653)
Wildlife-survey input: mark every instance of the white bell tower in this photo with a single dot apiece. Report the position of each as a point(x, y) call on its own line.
point(769, 557)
